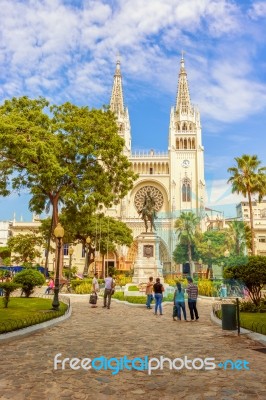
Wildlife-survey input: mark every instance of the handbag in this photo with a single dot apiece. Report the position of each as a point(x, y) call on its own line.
point(113, 287)
point(93, 298)
point(174, 311)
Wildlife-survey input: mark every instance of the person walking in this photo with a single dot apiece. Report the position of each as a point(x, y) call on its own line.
point(149, 288)
point(192, 292)
point(158, 294)
point(108, 291)
point(95, 288)
point(179, 301)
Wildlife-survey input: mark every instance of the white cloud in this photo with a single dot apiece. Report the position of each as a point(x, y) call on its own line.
point(221, 198)
point(258, 10)
point(66, 52)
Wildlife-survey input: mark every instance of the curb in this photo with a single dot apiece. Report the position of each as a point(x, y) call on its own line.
point(166, 303)
point(258, 337)
point(34, 328)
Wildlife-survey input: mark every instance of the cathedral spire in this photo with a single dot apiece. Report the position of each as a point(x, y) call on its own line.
point(183, 98)
point(117, 101)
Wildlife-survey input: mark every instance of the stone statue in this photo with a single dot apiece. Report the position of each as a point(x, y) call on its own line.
point(148, 211)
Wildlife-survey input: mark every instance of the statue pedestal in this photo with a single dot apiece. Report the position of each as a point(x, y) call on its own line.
point(147, 262)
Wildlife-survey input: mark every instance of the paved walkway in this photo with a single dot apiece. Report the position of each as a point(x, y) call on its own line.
point(27, 364)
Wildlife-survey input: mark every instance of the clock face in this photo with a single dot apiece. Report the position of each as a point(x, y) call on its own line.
point(185, 163)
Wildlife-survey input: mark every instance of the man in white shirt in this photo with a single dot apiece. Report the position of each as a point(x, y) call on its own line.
point(109, 286)
point(95, 288)
point(95, 283)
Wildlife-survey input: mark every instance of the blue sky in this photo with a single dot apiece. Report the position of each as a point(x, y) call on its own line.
point(66, 51)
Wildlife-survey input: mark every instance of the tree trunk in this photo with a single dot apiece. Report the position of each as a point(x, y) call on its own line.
point(251, 224)
point(190, 259)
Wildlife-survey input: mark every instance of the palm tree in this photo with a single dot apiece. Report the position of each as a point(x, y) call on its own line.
point(240, 235)
point(248, 179)
point(186, 226)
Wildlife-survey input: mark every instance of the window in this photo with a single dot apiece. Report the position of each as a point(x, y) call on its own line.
point(83, 253)
point(151, 171)
point(186, 190)
point(65, 249)
point(262, 239)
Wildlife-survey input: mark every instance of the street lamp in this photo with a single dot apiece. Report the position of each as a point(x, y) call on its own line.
point(59, 234)
point(210, 271)
point(70, 252)
point(85, 272)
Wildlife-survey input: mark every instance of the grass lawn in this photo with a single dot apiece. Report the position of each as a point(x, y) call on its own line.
point(253, 321)
point(23, 312)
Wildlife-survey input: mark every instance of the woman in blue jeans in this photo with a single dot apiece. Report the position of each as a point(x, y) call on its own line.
point(158, 295)
point(179, 301)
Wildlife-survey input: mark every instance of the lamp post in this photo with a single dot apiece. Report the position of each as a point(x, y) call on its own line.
point(210, 271)
point(70, 252)
point(59, 234)
point(85, 272)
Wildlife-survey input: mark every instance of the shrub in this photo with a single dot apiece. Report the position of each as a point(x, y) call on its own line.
point(136, 299)
point(249, 306)
point(8, 287)
point(169, 297)
point(133, 288)
point(130, 299)
point(28, 279)
point(122, 279)
point(208, 288)
point(83, 288)
point(171, 281)
point(252, 274)
point(119, 296)
point(76, 282)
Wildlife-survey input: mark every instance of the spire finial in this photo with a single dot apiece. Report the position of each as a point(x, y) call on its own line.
point(183, 98)
point(182, 59)
point(117, 101)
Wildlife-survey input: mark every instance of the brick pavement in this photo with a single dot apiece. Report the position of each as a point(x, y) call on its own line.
point(27, 364)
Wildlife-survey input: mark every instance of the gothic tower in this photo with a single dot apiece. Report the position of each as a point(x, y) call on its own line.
point(186, 151)
point(117, 106)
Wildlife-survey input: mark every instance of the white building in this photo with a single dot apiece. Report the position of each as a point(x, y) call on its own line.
point(175, 178)
point(4, 232)
point(259, 222)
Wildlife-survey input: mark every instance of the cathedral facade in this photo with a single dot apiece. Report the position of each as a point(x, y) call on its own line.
point(175, 178)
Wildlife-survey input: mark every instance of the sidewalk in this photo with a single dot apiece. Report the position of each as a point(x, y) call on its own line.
point(27, 370)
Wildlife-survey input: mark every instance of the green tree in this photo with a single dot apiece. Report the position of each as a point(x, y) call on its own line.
point(186, 226)
point(28, 279)
point(65, 154)
point(105, 233)
point(4, 254)
point(180, 254)
point(25, 247)
point(211, 246)
point(240, 235)
point(8, 288)
point(248, 179)
point(252, 273)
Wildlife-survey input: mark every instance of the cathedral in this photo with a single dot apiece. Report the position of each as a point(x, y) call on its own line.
point(175, 179)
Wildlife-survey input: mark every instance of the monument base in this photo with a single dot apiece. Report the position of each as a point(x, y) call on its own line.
point(147, 262)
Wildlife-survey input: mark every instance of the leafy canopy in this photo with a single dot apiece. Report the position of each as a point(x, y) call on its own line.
point(64, 153)
point(26, 247)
